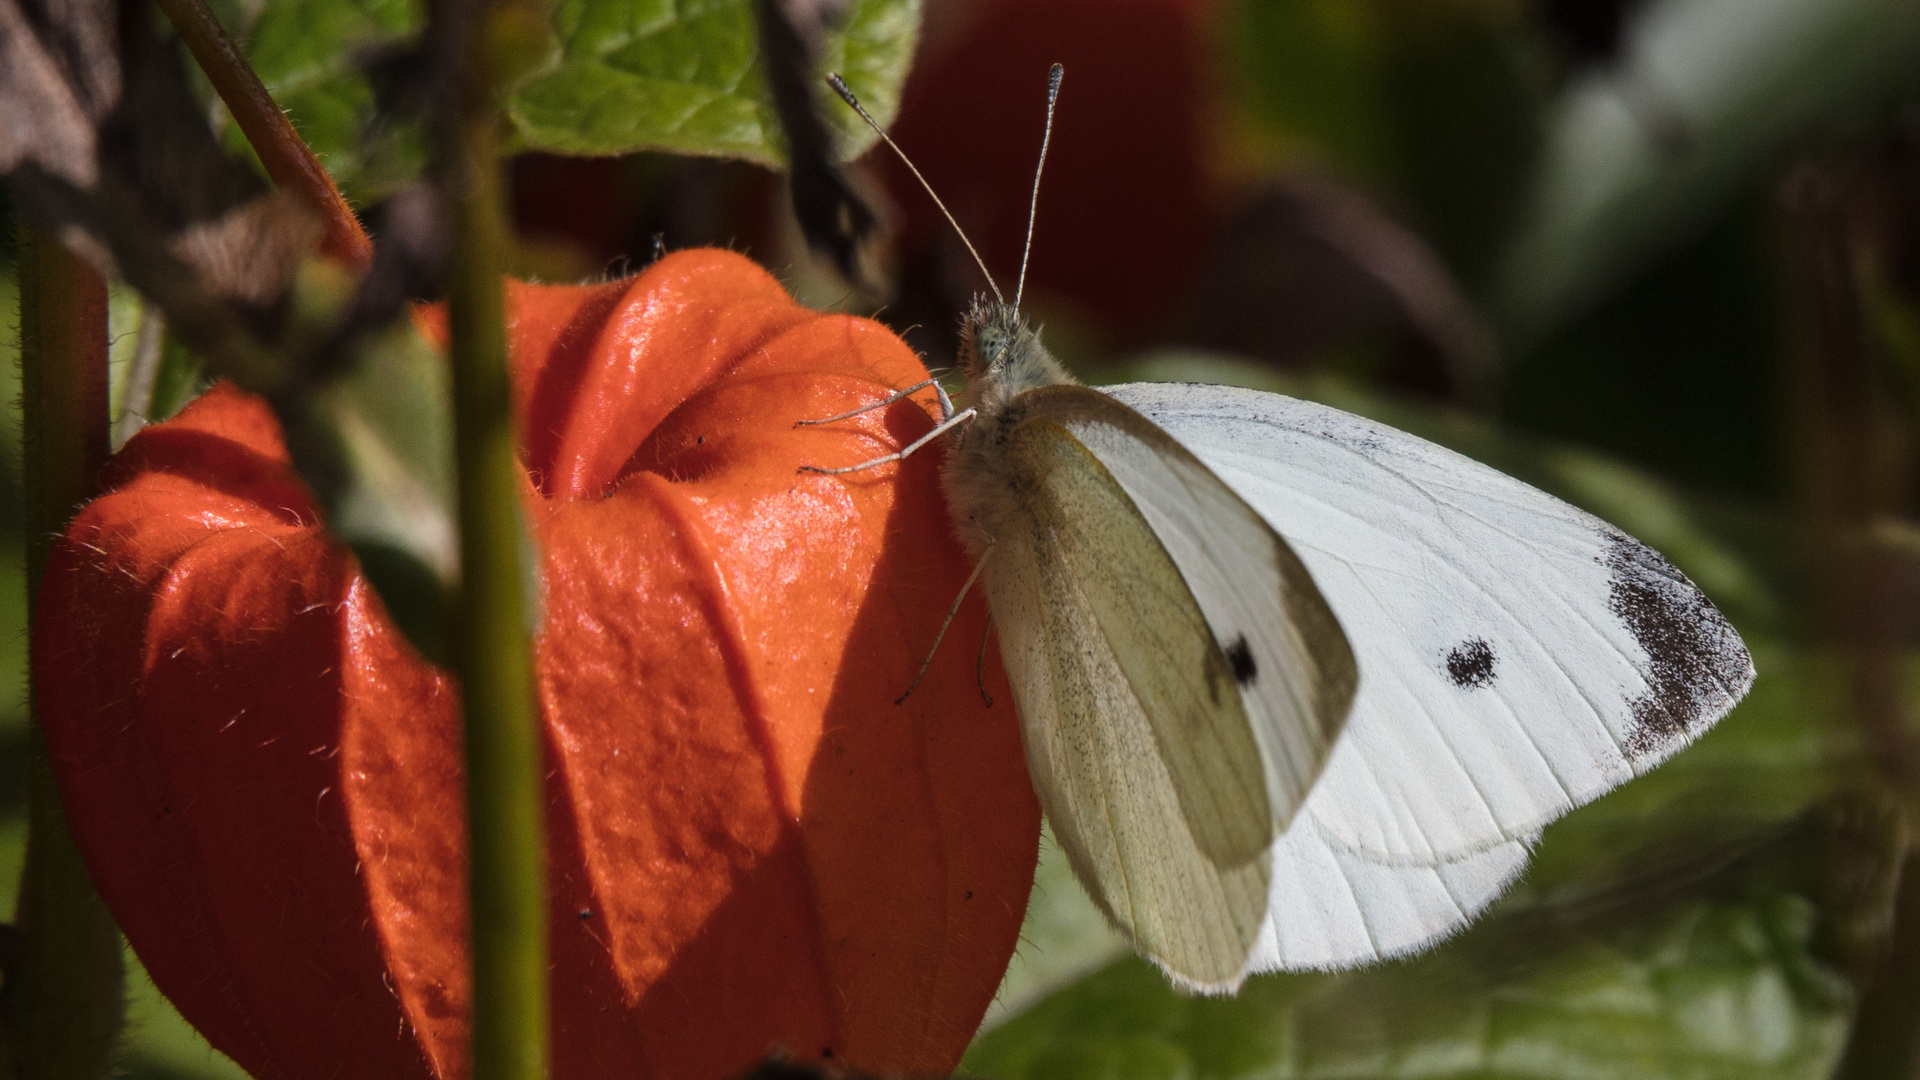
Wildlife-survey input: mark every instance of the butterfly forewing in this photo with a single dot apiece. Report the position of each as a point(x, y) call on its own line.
point(1521, 657)
point(1137, 742)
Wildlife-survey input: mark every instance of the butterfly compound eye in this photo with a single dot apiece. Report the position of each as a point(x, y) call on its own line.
point(992, 342)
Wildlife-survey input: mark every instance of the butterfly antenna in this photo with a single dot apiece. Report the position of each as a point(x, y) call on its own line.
point(1033, 208)
point(840, 87)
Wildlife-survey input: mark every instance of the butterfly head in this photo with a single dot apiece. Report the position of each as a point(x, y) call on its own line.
point(989, 334)
point(998, 346)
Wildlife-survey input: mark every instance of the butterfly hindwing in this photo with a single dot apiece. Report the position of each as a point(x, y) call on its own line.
point(1082, 603)
point(1333, 907)
point(1292, 663)
point(1137, 723)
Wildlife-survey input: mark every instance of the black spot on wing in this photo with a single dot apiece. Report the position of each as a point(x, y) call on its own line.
point(1240, 659)
point(1696, 665)
point(1470, 664)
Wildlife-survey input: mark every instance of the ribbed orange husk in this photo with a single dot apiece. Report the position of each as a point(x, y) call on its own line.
point(750, 845)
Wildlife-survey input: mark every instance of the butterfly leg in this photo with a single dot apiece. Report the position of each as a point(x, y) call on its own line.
point(980, 664)
point(952, 610)
point(946, 406)
point(948, 424)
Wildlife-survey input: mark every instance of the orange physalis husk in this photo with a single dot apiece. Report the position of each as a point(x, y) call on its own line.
point(750, 845)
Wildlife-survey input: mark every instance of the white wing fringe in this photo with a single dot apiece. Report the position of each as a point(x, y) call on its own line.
point(1336, 907)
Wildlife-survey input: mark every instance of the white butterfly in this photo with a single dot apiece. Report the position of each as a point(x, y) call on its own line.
point(1298, 690)
point(1518, 658)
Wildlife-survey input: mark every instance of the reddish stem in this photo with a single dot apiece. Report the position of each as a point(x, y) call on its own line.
point(287, 158)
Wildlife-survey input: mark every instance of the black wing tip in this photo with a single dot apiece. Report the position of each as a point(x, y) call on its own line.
point(1697, 668)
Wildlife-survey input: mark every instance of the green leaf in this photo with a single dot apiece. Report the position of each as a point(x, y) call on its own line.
point(1062, 938)
point(160, 1044)
point(1707, 988)
point(1669, 929)
point(390, 417)
point(685, 77)
point(309, 54)
point(1640, 157)
point(675, 75)
point(181, 378)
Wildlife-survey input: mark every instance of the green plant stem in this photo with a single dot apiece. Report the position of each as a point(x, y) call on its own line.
point(286, 157)
point(64, 1000)
point(504, 768)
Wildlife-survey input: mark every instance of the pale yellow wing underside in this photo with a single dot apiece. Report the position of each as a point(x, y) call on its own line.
point(1137, 735)
point(1293, 665)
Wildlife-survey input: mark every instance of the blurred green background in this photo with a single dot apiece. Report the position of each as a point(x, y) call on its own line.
point(1660, 257)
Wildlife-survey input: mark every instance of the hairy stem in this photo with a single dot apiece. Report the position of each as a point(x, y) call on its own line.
point(64, 1000)
point(286, 156)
